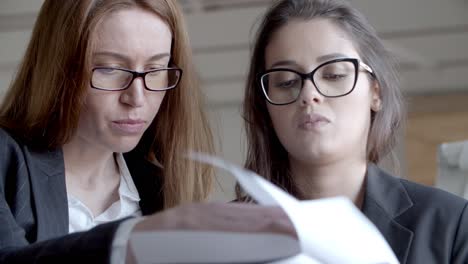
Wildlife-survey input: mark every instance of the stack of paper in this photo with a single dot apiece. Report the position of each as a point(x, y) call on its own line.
point(330, 231)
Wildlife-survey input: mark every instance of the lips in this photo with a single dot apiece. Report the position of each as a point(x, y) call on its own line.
point(129, 126)
point(130, 121)
point(312, 121)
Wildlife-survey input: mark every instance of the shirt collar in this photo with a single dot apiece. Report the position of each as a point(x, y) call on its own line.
point(127, 188)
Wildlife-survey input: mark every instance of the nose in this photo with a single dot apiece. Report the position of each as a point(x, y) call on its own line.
point(310, 94)
point(134, 95)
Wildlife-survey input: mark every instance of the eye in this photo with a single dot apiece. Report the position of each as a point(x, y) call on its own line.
point(106, 71)
point(157, 66)
point(334, 76)
point(287, 83)
point(154, 72)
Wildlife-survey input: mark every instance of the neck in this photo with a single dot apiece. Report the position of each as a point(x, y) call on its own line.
point(342, 178)
point(88, 166)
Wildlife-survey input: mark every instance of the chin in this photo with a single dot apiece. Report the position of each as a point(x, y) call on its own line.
point(312, 154)
point(125, 144)
point(310, 157)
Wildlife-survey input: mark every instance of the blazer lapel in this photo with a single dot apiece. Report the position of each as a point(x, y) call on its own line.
point(384, 201)
point(47, 176)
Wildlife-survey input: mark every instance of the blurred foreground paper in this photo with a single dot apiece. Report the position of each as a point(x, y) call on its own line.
point(330, 231)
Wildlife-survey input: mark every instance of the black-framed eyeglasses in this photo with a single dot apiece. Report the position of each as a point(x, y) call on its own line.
point(117, 79)
point(333, 78)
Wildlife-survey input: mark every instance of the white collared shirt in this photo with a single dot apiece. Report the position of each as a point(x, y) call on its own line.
point(80, 216)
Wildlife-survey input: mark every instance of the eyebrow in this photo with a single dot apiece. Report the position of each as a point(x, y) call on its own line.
point(330, 56)
point(284, 63)
point(125, 58)
point(319, 59)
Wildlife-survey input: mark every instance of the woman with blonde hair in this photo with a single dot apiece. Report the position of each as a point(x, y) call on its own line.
point(322, 107)
point(92, 133)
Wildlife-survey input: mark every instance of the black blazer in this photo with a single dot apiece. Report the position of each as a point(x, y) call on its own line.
point(422, 224)
point(34, 209)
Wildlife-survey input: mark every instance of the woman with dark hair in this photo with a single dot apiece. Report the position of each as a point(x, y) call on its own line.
point(322, 106)
point(92, 135)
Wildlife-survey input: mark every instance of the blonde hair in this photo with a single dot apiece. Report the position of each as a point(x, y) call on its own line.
point(43, 104)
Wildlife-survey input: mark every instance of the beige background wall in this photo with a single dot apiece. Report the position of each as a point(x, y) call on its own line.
point(432, 121)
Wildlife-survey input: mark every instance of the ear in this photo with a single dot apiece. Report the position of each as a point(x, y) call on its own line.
point(376, 101)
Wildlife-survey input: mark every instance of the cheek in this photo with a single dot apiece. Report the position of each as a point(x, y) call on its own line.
point(281, 117)
point(155, 100)
point(353, 113)
point(97, 105)
point(95, 113)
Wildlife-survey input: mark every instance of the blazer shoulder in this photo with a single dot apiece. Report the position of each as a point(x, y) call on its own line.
point(443, 213)
point(10, 149)
point(6, 139)
point(434, 197)
point(397, 195)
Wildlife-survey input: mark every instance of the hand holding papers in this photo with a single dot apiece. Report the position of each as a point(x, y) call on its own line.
point(329, 230)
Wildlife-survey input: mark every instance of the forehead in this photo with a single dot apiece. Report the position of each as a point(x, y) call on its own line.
point(133, 31)
point(304, 41)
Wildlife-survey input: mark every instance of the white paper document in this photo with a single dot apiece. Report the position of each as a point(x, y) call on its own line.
point(330, 230)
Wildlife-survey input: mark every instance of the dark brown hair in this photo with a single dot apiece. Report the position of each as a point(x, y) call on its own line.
point(44, 101)
point(265, 155)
